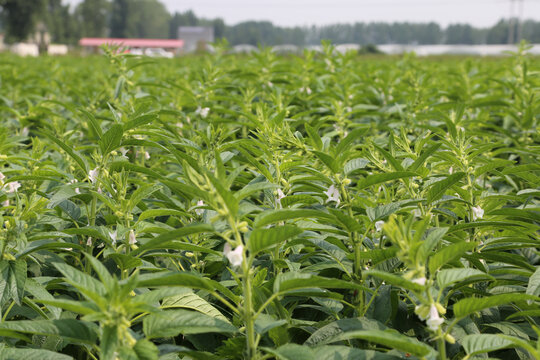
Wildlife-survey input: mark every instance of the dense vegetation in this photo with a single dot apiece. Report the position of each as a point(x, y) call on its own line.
point(150, 19)
point(318, 207)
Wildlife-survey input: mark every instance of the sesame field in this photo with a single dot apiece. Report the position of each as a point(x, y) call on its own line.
point(265, 207)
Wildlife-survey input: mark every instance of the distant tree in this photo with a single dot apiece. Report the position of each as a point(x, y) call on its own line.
point(498, 34)
point(92, 16)
point(531, 31)
point(20, 18)
point(60, 22)
point(219, 28)
point(119, 17)
point(140, 19)
point(459, 34)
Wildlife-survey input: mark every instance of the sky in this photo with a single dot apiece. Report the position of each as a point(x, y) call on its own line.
point(480, 13)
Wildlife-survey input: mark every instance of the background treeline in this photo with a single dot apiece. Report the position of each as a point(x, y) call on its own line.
point(151, 19)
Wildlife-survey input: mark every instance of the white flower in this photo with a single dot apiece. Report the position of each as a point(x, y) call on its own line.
point(13, 186)
point(451, 170)
point(478, 212)
point(73, 181)
point(89, 241)
point(132, 238)
point(5, 203)
point(199, 211)
point(306, 89)
point(280, 195)
point(235, 256)
point(420, 281)
point(25, 131)
point(145, 154)
point(113, 236)
point(333, 194)
point(124, 151)
point(202, 111)
point(93, 175)
point(417, 213)
point(434, 320)
point(379, 225)
point(2, 177)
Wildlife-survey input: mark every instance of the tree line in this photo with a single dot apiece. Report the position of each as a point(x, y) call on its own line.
point(151, 19)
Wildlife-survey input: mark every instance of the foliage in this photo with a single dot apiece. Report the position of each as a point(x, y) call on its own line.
point(262, 207)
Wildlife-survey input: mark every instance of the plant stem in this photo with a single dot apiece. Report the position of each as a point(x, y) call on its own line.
point(441, 345)
point(248, 311)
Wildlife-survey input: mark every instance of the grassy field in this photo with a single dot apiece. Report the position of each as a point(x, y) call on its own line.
point(321, 207)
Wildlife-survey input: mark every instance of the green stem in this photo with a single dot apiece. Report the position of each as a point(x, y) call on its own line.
point(441, 345)
point(7, 311)
point(248, 312)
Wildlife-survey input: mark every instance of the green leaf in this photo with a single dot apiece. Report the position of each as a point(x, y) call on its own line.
point(390, 339)
point(327, 333)
point(87, 285)
point(394, 279)
point(79, 307)
point(109, 341)
point(437, 190)
point(173, 322)
point(140, 194)
point(189, 300)
point(149, 214)
point(176, 234)
point(471, 305)
point(482, 343)
point(314, 137)
point(448, 277)
point(533, 288)
point(273, 216)
point(261, 239)
point(183, 279)
point(422, 158)
point(265, 323)
point(70, 329)
point(146, 350)
point(140, 120)
point(346, 142)
point(381, 178)
point(111, 139)
point(328, 160)
point(292, 281)
point(355, 164)
point(12, 280)
point(333, 352)
point(292, 352)
point(253, 188)
point(64, 193)
point(382, 211)
point(31, 354)
point(38, 291)
point(68, 149)
point(448, 254)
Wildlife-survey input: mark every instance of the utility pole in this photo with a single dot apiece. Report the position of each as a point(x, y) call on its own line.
point(511, 24)
point(520, 20)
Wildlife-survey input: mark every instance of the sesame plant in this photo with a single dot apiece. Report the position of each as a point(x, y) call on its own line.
point(322, 206)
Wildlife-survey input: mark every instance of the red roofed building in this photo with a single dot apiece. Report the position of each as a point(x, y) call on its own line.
point(142, 44)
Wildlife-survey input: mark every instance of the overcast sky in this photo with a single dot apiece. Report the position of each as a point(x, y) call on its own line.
point(321, 12)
